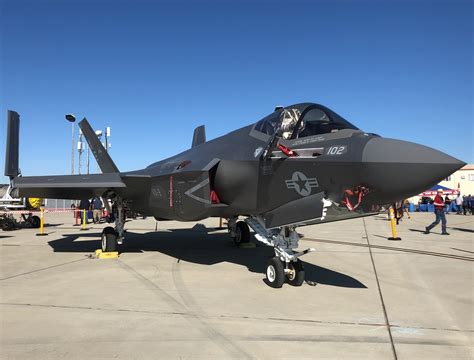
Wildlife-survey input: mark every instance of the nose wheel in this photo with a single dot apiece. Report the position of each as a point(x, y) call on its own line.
point(295, 273)
point(277, 271)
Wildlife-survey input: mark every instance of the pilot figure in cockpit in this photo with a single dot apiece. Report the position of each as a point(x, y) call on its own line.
point(289, 119)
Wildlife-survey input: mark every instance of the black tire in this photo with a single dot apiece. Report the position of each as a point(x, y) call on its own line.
point(296, 275)
point(7, 224)
point(35, 222)
point(275, 273)
point(242, 233)
point(109, 239)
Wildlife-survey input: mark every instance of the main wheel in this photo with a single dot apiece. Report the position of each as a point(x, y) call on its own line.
point(7, 224)
point(35, 222)
point(275, 272)
point(296, 274)
point(242, 233)
point(109, 239)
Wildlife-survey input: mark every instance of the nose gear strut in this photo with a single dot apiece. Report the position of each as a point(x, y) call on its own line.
point(286, 262)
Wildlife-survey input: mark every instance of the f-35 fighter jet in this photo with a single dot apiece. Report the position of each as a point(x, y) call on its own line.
point(302, 164)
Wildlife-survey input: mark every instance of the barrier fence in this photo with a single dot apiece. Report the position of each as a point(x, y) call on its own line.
point(37, 211)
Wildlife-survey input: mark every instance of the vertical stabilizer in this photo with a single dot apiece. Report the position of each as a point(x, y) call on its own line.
point(103, 158)
point(199, 136)
point(12, 169)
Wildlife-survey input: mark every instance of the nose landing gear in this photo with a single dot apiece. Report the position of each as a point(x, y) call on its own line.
point(286, 263)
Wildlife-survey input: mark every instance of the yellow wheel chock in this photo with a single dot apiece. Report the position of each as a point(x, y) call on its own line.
point(106, 255)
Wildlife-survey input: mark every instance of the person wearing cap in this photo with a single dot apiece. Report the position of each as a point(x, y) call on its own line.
point(440, 214)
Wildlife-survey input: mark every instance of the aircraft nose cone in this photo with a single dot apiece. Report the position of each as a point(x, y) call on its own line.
point(399, 169)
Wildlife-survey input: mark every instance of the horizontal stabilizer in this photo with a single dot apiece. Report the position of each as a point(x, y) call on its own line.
point(199, 136)
point(73, 187)
point(102, 157)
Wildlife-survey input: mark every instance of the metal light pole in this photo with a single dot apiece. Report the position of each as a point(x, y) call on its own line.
point(71, 118)
point(107, 135)
point(88, 152)
point(80, 149)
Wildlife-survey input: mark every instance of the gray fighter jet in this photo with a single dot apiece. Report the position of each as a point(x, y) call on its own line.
point(302, 164)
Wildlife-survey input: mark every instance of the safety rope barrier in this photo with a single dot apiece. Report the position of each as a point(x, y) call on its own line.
point(37, 211)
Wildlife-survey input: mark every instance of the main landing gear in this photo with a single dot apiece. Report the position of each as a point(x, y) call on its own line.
point(112, 237)
point(239, 231)
point(286, 263)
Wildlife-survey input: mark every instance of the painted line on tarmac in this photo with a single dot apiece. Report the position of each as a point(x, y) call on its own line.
point(398, 328)
point(42, 269)
point(471, 252)
point(211, 333)
point(351, 339)
point(196, 311)
point(387, 322)
point(414, 251)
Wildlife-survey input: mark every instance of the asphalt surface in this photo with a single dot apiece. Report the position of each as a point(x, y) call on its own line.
point(185, 291)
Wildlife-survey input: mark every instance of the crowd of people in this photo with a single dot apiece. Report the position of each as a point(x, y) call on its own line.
point(461, 205)
point(464, 204)
point(95, 205)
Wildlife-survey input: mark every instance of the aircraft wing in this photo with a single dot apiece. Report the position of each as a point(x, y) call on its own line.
point(72, 187)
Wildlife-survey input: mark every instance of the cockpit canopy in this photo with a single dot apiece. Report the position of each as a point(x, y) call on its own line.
point(302, 120)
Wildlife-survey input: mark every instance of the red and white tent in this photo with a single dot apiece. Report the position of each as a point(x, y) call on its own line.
point(434, 190)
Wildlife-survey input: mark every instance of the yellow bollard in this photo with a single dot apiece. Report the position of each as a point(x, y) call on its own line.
point(84, 219)
point(41, 233)
point(392, 223)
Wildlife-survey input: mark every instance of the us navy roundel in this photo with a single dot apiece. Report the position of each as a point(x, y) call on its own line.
point(302, 184)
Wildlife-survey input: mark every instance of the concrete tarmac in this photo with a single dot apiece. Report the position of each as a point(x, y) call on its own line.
point(185, 291)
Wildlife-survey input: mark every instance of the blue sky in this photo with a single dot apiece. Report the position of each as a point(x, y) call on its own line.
point(155, 70)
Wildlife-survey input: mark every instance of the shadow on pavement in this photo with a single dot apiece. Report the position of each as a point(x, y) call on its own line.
point(52, 225)
point(461, 229)
point(417, 230)
point(199, 247)
point(380, 236)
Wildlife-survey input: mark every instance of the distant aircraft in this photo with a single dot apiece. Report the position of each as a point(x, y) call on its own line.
point(302, 164)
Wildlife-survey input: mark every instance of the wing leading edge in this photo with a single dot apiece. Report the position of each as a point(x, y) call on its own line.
point(67, 186)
